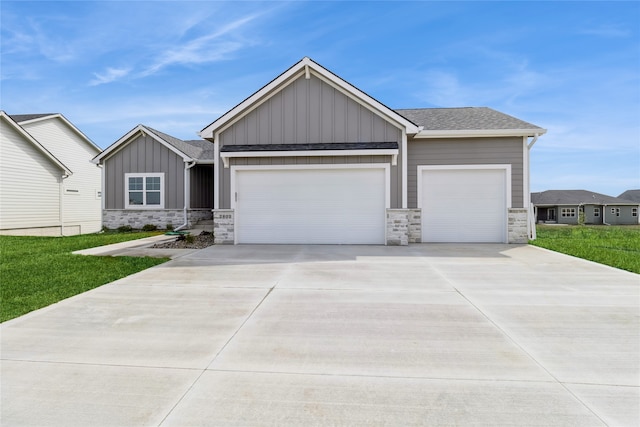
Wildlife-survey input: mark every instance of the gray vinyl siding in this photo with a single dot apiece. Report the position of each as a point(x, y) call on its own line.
point(626, 215)
point(309, 112)
point(567, 219)
point(144, 155)
point(466, 151)
point(201, 187)
point(589, 214)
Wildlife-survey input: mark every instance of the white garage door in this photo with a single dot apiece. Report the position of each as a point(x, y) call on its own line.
point(311, 206)
point(464, 205)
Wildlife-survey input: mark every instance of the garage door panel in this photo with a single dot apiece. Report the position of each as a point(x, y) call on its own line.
point(317, 206)
point(464, 205)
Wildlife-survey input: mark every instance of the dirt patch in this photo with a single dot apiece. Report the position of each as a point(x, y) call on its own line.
point(200, 241)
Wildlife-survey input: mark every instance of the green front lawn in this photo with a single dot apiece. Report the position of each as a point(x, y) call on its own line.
point(617, 246)
point(39, 271)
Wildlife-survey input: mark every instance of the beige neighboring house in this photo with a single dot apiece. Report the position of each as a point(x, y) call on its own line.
point(48, 186)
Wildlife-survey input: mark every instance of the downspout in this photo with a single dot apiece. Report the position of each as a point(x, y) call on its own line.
point(61, 204)
point(187, 165)
point(604, 215)
point(531, 225)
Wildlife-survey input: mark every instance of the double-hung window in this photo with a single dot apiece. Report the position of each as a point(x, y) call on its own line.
point(568, 212)
point(144, 190)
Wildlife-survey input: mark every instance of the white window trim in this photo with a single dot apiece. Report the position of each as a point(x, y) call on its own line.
point(634, 212)
point(567, 212)
point(143, 175)
point(596, 212)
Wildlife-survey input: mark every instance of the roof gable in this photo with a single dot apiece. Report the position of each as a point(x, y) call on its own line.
point(305, 67)
point(193, 150)
point(632, 195)
point(24, 119)
point(27, 136)
point(575, 197)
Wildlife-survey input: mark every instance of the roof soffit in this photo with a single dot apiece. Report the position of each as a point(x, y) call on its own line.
point(305, 67)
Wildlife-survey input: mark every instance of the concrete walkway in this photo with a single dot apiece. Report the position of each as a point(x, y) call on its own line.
point(335, 335)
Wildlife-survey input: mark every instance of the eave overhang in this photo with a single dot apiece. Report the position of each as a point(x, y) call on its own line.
point(484, 133)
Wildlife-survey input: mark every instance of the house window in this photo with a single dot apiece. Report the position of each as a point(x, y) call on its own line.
point(615, 211)
point(634, 211)
point(145, 190)
point(568, 212)
point(596, 212)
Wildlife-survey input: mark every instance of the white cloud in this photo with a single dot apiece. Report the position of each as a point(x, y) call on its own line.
point(111, 75)
point(208, 48)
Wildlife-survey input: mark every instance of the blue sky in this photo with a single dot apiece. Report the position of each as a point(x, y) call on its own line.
point(570, 67)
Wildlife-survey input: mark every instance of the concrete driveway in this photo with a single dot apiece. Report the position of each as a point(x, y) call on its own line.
point(335, 335)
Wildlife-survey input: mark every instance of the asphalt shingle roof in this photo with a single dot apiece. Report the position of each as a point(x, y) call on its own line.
point(464, 118)
point(575, 197)
point(633, 195)
point(26, 117)
point(198, 149)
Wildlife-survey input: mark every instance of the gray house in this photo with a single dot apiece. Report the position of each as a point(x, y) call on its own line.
point(567, 207)
point(309, 158)
point(150, 177)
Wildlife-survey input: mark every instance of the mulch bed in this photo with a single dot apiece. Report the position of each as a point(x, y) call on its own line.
point(203, 240)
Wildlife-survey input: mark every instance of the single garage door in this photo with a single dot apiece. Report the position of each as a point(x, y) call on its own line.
point(464, 205)
point(311, 206)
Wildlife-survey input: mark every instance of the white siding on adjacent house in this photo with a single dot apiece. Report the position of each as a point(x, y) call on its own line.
point(82, 207)
point(29, 183)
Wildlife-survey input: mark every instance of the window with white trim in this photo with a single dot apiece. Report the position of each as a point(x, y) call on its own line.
point(615, 211)
point(144, 190)
point(596, 212)
point(568, 212)
point(634, 212)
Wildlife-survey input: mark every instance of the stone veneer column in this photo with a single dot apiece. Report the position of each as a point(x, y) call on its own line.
point(517, 228)
point(223, 227)
point(397, 227)
point(415, 225)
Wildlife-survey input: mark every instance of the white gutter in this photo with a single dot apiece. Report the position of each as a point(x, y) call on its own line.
point(531, 214)
point(187, 165)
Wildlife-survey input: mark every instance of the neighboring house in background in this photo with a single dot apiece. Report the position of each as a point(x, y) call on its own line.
point(153, 178)
point(632, 195)
point(48, 184)
point(309, 158)
point(566, 207)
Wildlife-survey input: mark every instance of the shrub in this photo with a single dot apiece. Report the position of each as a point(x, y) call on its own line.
point(189, 238)
point(169, 227)
point(125, 229)
point(149, 227)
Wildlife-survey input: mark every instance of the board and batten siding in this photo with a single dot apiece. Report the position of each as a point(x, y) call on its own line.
point(471, 151)
point(310, 111)
point(29, 183)
point(201, 187)
point(144, 155)
point(82, 206)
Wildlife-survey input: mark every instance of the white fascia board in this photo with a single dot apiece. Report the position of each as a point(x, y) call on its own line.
point(35, 142)
point(313, 153)
point(305, 66)
point(466, 133)
point(123, 141)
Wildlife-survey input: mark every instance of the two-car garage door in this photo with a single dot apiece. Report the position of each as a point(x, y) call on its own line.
point(333, 205)
point(464, 204)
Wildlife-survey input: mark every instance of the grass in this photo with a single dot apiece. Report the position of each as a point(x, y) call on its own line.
point(39, 271)
point(616, 246)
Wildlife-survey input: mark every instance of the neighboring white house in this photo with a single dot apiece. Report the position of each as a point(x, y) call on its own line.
point(48, 186)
